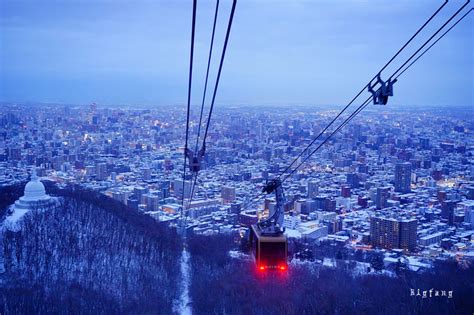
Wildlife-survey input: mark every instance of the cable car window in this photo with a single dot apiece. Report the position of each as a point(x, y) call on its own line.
point(272, 252)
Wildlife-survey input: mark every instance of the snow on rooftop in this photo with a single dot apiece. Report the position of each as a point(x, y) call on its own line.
point(290, 233)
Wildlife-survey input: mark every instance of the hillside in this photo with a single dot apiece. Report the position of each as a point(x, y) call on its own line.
point(221, 284)
point(91, 255)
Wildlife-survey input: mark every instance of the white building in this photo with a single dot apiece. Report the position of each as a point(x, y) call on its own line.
point(431, 239)
point(34, 198)
point(291, 221)
point(326, 215)
point(312, 230)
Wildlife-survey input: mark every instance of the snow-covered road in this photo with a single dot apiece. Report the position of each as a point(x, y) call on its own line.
point(183, 305)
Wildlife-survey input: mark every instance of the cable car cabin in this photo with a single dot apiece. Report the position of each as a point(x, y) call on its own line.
point(270, 252)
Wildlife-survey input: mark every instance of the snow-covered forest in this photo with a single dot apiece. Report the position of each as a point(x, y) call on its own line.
point(222, 284)
point(94, 255)
point(90, 255)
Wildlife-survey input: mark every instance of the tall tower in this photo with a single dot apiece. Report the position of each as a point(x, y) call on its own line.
point(408, 229)
point(228, 194)
point(383, 193)
point(402, 177)
point(393, 233)
point(312, 189)
point(447, 210)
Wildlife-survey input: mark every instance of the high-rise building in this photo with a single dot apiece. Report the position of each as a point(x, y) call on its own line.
point(408, 234)
point(312, 189)
point(362, 201)
point(132, 203)
point(330, 205)
point(311, 205)
point(441, 195)
point(346, 191)
point(363, 168)
point(260, 131)
point(90, 170)
point(146, 171)
point(101, 171)
point(425, 143)
point(178, 188)
point(320, 202)
point(403, 177)
point(334, 225)
point(356, 131)
point(165, 192)
point(235, 208)
point(383, 194)
point(447, 210)
point(352, 180)
point(267, 154)
point(139, 193)
point(113, 177)
point(14, 153)
point(152, 202)
point(227, 194)
point(301, 207)
point(393, 233)
point(469, 216)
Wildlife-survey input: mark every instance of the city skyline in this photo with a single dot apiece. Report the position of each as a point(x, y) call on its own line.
point(123, 53)
point(389, 197)
point(328, 169)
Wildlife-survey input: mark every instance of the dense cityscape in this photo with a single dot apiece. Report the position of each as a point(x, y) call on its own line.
point(397, 180)
point(209, 157)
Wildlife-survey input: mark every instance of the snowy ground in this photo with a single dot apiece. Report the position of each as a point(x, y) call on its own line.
point(12, 221)
point(239, 255)
point(183, 306)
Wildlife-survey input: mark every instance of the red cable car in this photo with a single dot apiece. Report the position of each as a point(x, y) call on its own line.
point(266, 239)
point(270, 252)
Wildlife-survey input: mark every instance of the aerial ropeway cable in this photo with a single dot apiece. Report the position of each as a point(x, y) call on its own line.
point(196, 148)
point(202, 151)
point(363, 89)
point(207, 75)
point(229, 26)
point(193, 28)
point(195, 157)
point(416, 59)
point(434, 43)
point(367, 101)
point(267, 236)
point(354, 98)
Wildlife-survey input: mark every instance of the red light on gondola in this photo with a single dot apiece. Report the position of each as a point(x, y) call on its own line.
point(261, 268)
point(282, 267)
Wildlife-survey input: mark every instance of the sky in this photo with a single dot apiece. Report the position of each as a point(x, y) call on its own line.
point(279, 53)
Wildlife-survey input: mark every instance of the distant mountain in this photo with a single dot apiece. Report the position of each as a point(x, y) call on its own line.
point(90, 255)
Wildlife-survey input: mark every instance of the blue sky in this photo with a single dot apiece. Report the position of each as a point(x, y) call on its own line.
point(280, 52)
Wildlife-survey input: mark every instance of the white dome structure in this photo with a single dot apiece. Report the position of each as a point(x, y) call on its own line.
point(34, 198)
point(34, 189)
